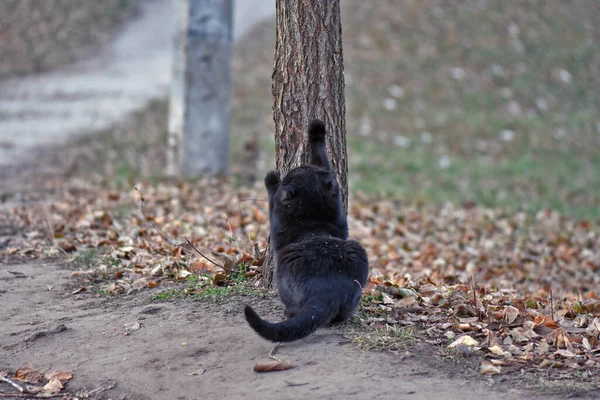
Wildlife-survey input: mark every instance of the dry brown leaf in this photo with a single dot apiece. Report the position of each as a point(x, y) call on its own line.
point(62, 376)
point(27, 374)
point(53, 386)
point(273, 366)
point(387, 299)
point(489, 369)
point(510, 314)
point(465, 340)
point(545, 320)
point(497, 350)
point(68, 247)
point(406, 301)
point(565, 353)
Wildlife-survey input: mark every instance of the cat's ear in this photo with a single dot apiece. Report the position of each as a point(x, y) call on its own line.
point(272, 180)
point(316, 139)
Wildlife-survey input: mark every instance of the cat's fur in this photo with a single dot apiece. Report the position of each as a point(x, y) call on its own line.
point(320, 274)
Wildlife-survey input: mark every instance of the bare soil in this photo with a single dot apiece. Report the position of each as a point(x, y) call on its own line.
point(135, 348)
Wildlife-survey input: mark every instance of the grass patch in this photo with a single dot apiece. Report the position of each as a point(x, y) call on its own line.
point(87, 257)
point(198, 288)
point(388, 337)
point(444, 103)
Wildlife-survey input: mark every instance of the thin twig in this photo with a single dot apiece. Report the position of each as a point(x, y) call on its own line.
point(162, 234)
point(251, 199)
point(257, 230)
point(295, 384)
point(101, 389)
point(551, 305)
point(230, 230)
point(32, 396)
point(198, 251)
point(51, 231)
point(174, 219)
point(12, 383)
point(475, 295)
point(272, 352)
point(242, 224)
point(165, 237)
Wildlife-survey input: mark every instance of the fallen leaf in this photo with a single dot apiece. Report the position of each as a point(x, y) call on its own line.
point(489, 369)
point(27, 374)
point(497, 350)
point(82, 289)
point(564, 353)
point(545, 320)
point(272, 366)
point(465, 340)
point(510, 314)
point(387, 299)
point(197, 372)
point(54, 386)
point(62, 376)
point(68, 247)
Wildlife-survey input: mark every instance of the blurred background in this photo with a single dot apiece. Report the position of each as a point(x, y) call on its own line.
point(488, 102)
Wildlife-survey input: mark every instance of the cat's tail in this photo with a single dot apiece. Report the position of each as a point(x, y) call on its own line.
point(315, 313)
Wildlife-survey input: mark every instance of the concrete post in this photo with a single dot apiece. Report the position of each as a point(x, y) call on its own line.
point(199, 109)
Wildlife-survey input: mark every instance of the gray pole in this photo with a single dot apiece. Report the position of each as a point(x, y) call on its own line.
point(199, 114)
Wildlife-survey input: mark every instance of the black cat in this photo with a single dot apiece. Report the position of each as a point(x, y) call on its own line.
point(320, 274)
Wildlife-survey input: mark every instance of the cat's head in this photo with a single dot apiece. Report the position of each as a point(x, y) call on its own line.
point(309, 193)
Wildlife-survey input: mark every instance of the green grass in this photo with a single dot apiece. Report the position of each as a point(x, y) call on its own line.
point(388, 337)
point(509, 83)
point(86, 257)
point(199, 289)
point(553, 160)
point(524, 181)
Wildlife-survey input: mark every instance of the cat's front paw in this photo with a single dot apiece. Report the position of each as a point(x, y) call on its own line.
point(272, 179)
point(316, 131)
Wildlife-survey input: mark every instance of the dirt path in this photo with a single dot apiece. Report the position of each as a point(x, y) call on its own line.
point(148, 350)
point(93, 94)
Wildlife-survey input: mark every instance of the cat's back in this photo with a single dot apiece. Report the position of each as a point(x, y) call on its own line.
point(318, 255)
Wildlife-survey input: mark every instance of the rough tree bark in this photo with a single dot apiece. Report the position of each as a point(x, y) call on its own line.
point(308, 82)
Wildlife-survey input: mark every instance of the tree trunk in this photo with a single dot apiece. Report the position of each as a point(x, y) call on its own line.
point(199, 114)
point(308, 83)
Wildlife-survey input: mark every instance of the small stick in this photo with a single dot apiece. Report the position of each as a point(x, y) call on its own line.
point(551, 305)
point(51, 232)
point(475, 295)
point(12, 383)
point(242, 224)
point(272, 352)
point(112, 385)
point(165, 237)
point(251, 199)
point(198, 251)
point(292, 384)
point(32, 396)
point(257, 230)
point(230, 230)
point(174, 219)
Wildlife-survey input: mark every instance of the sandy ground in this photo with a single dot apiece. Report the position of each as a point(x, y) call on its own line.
point(139, 349)
point(93, 94)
